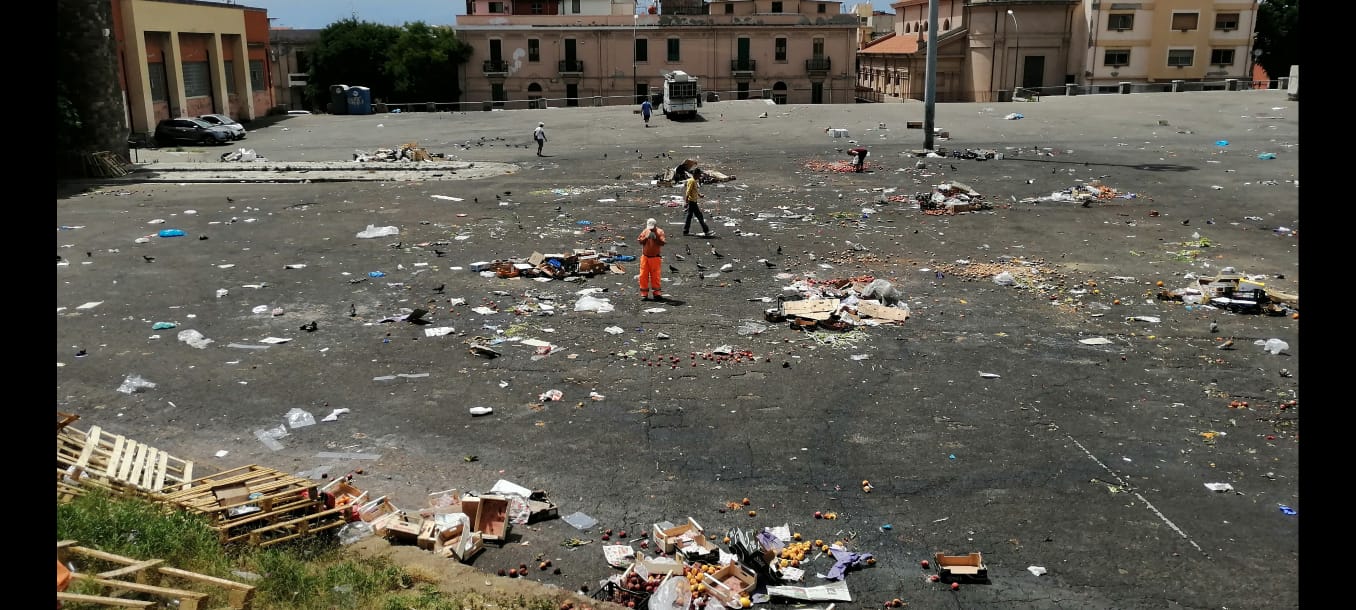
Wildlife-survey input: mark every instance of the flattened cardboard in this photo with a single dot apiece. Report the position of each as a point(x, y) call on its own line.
point(808, 306)
point(881, 312)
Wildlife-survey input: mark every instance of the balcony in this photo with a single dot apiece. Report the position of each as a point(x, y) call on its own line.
point(571, 67)
point(496, 67)
point(743, 68)
point(818, 66)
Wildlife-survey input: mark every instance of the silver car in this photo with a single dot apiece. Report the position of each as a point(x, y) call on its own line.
point(237, 130)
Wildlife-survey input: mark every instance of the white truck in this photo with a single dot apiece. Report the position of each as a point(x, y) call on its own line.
point(682, 95)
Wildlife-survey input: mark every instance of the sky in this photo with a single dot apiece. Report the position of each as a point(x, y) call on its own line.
point(316, 14)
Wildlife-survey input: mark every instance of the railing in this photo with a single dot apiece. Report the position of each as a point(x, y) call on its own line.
point(568, 65)
point(818, 64)
point(495, 65)
point(743, 65)
point(1033, 94)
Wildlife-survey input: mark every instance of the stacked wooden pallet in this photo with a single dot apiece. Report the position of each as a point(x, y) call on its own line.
point(145, 578)
point(113, 461)
point(259, 505)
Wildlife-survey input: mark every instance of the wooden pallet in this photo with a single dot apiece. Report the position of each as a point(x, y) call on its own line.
point(119, 460)
point(147, 578)
point(259, 505)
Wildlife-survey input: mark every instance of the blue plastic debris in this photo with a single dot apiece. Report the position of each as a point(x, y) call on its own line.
point(1289, 511)
point(1222, 143)
point(584, 223)
point(951, 457)
point(1266, 156)
point(376, 274)
point(171, 233)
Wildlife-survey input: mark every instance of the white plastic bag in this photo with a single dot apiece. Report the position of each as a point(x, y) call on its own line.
point(134, 383)
point(1275, 346)
point(1004, 279)
point(194, 338)
point(671, 595)
point(374, 231)
point(589, 303)
point(297, 418)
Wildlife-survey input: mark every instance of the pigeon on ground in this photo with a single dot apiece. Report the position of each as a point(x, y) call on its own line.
point(767, 262)
point(714, 252)
point(677, 256)
point(779, 250)
point(352, 311)
point(229, 200)
point(687, 249)
point(309, 326)
point(701, 267)
point(1214, 326)
point(439, 287)
point(439, 253)
point(673, 269)
point(953, 168)
point(149, 259)
point(1227, 344)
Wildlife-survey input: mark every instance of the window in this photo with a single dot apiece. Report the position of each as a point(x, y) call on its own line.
point(729, 8)
point(197, 82)
point(228, 67)
point(1185, 21)
point(1226, 21)
point(1222, 57)
point(1181, 57)
point(823, 8)
point(673, 49)
point(574, 6)
point(946, 25)
point(642, 50)
point(776, 7)
point(779, 49)
point(159, 88)
point(817, 47)
point(533, 49)
point(257, 81)
point(1120, 21)
point(497, 7)
point(1116, 57)
point(538, 8)
point(908, 28)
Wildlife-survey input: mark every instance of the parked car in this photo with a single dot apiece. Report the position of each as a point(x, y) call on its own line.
point(237, 130)
point(188, 129)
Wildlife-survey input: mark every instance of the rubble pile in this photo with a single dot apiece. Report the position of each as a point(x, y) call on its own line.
point(1023, 273)
point(976, 155)
point(408, 151)
point(1083, 194)
point(579, 264)
point(842, 167)
point(838, 304)
point(950, 198)
point(1235, 292)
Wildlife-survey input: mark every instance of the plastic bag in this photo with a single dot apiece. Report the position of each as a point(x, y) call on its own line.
point(350, 533)
point(1275, 346)
point(297, 418)
point(1004, 279)
point(670, 595)
point(134, 383)
point(588, 303)
point(194, 338)
point(374, 231)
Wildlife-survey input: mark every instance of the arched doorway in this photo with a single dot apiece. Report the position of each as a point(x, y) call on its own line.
point(779, 93)
point(534, 96)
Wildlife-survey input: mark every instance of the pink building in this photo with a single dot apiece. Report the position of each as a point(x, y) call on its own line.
point(608, 52)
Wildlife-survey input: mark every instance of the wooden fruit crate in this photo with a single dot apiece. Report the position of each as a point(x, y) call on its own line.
point(116, 460)
point(258, 505)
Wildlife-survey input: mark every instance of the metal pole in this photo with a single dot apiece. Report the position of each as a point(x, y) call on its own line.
point(635, 17)
point(930, 93)
point(1018, 56)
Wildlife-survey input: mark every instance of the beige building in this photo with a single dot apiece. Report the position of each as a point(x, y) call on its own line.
point(1167, 40)
point(871, 23)
point(989, 50)
point(587, 52)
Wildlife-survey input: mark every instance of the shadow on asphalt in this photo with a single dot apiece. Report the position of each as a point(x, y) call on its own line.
point(1148, 167)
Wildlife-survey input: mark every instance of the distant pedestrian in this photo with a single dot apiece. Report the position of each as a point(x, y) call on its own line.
point(652, 243)
point(860, 162)
point(692, 195)
point(539, 134)
point(645, 109)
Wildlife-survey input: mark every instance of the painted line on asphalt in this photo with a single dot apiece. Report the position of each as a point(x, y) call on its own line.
point(1137, 495)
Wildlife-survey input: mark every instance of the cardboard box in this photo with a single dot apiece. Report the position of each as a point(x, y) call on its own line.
point(665, 535)
point(729, 583)
point(491, 520)
point(645, 566)
point(969, 566)
point(230, 495)
point(542, 510)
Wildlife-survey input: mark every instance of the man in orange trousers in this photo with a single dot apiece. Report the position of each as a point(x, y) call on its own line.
point(652, 242)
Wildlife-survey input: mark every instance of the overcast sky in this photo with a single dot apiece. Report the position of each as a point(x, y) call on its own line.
point(316, 14)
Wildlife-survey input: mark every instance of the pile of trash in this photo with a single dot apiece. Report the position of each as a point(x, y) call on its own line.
point(842, 167)
point(951, 198)
point(405, 152)
point(1235, 292)
point(1084, 194)
point(977, 155)
point(838, 304)
point(579, 264)
point(243, 154)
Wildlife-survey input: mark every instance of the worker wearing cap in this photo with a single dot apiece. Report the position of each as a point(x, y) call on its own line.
point(652, 243)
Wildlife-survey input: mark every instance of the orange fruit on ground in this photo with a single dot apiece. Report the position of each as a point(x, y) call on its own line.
point(1160, 283)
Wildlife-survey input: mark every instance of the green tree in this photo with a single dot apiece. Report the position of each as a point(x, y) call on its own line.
point(424, 61)
point(354, 53)
point(1278, 36)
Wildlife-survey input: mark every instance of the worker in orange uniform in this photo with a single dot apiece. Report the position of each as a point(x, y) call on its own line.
point(652, 242)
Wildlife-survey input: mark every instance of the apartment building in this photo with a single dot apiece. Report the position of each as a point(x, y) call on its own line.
point(187, 58)
point(990, 49)
point(1167, 40)
point(587, 52)
point(871, 23)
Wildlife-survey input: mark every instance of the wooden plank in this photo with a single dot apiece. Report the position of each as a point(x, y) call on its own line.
point(881, 312)
point(115, 602)
point(129, 452)
point(794, 308)
point(240, 595)
point(138, 464)
point(148, 467)
point(159, 482)
point(131, 569)
point(88, 451)
point(141, 588)
point(110, 468)
point(187, 474)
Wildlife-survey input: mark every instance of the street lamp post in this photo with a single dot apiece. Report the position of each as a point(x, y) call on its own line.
point(1018, 56)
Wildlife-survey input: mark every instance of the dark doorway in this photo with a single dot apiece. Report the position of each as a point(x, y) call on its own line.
point(816, 93)
point(1033, 71)
point(496, 51)
point(572, 95)
point(642, 90)
point(742, 91)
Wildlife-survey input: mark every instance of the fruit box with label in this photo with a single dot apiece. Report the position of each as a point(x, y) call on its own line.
point(730, 583)
point(970, 566)
point(688, 540)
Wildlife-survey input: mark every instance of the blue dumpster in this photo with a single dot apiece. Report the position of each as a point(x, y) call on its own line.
point(338, 99)
point(359, 100)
